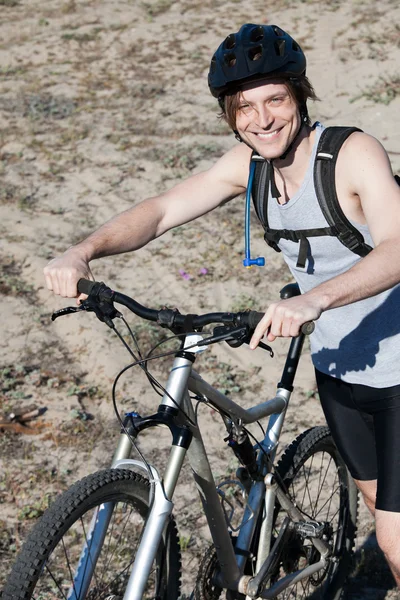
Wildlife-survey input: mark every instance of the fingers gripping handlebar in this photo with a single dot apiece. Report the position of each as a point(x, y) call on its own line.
point(172, 318)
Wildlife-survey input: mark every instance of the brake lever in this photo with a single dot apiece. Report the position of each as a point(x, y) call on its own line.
point(244, 338)
point(266, 347)
point(66, 311)
point(104, 311)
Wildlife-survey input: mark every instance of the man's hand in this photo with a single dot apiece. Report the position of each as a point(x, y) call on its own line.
point(62, 274)
point(285, 318)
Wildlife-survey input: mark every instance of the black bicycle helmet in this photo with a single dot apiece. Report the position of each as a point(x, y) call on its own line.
point(250, 54)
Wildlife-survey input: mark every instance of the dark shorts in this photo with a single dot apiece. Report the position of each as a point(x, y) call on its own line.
point(365, 424)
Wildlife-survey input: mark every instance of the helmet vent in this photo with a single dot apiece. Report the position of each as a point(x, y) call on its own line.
point(230, 59)
point(255, 53)
point(296, 47)
point(280, 47)
point(230, 42)
point(257, 34)
point(278, 31)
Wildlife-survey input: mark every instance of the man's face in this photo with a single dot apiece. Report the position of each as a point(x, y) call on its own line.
point(267, 118)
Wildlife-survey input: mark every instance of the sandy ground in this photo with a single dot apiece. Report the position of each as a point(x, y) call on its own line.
point(103, 103)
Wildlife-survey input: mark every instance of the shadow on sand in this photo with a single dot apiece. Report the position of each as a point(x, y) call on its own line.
point(371, 578)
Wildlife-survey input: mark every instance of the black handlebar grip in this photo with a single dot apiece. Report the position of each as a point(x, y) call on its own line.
point(255, 317)
point(85, 286)
point(308, 328)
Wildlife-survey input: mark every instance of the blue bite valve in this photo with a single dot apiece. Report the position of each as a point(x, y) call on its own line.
point(250, 262)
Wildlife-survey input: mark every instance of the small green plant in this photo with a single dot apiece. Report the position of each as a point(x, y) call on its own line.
point(157, 8)
point(383, 91)
point(35, 510)
point(8, 193)
point(69, 7)
point(223, 376)
point(312, 394)
point(88, 36)
point(11, 282)
point(184, 541)
point(244, 302)
point(183, 159)
point(83, 391)
point(9, 71)
point(48, 107)
point(26, 202)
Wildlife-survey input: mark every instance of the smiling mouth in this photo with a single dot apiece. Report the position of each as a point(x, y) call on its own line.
point(268, 136)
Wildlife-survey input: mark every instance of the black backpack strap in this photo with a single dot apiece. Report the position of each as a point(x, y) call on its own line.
point(260, 189)
point(330, 142)
point(272, 237)
point(259, 192)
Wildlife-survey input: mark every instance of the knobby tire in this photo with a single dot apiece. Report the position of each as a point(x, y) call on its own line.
point(45, 566)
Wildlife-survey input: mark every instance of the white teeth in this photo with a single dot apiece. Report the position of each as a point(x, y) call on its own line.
point(268, 135)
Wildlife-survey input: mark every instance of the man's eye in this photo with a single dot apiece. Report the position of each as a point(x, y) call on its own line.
point(277, 100)
point(245, 109)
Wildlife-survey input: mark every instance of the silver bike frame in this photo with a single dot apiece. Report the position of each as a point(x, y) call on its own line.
point(261, 497)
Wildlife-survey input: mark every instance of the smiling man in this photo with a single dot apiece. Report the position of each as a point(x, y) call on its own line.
point(350, 288)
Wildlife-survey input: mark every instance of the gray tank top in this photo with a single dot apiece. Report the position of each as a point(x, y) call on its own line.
point(360, 342)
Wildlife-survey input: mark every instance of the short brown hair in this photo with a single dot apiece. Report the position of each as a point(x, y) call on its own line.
point(299, 88)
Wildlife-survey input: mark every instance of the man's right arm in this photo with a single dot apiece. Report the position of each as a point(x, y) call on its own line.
point(149, 219)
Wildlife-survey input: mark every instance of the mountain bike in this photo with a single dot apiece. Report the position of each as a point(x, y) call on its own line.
point(112, 535)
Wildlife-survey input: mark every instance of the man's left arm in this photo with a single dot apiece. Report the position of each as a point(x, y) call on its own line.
point(371, 179)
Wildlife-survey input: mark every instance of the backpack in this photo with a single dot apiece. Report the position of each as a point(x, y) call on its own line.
point(330, 142)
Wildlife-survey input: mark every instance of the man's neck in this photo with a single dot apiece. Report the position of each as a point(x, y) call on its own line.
point(292, 169)
point(298, 158)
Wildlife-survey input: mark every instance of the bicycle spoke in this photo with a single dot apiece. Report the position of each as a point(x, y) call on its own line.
point(307, 487)
point(106, 562)
point(69, 568)
point(330, 499)
point(327, 468)
point(55, 581)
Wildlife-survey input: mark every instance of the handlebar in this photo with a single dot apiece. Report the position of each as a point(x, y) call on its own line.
point(172, 318)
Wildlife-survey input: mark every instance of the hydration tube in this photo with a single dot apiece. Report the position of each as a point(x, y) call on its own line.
point(250, 262)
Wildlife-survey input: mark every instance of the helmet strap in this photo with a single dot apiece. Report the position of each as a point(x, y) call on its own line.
point(303, 121)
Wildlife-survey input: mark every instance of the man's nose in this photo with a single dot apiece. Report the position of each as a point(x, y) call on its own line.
point(264, 117)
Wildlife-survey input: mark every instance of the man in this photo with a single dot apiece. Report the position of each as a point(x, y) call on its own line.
point(258, 76)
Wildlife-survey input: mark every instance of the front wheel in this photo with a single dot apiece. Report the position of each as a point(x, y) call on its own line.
point(60, 551)
point(318, 482)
